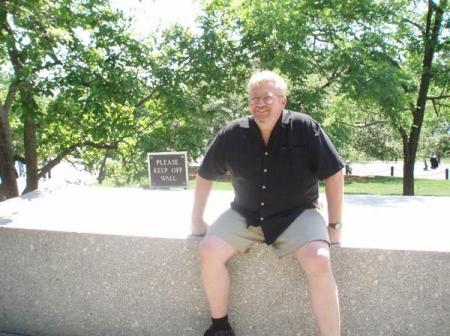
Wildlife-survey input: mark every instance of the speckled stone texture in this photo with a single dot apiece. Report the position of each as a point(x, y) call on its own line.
point(102, 261)
point(57, 283)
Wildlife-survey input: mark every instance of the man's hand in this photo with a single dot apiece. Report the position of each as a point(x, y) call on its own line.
point(198, 227)
point(201, 194)
point(335, 236)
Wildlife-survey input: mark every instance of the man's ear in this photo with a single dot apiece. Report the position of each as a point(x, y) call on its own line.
point(284, 101)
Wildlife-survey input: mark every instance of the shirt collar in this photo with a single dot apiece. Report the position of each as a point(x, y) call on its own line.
point(245, 122)
point(285, 119)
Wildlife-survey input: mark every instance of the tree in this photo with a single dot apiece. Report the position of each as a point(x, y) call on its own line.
point(413, 63)
point(359, 132)
point(195, 78)
point(76, 78)
point(391, 54)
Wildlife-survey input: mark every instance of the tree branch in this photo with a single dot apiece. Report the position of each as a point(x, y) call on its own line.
point(145, 99)
point(336, 73)
point(438, 97)
point(15, 57)
point(419, 27)
point(12, 90)
point(66, 151)
point(48, 65)
point(360, 125)
point(396, 65)
point(441, 104)
point(435, 108)
point(428, 23)
point(97, 145)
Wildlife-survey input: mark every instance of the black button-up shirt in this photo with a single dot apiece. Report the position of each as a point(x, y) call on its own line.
point(273, 183)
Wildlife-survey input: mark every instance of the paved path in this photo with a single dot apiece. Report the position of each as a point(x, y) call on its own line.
point(67, 174)
point(383, 168)
point(63, 174)
point(387, 222)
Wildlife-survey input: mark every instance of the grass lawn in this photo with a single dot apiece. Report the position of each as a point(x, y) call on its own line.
point(218, 185)
point(383, 185)
point(377, 185)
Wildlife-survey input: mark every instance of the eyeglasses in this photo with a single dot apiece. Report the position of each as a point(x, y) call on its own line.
point(266, 99)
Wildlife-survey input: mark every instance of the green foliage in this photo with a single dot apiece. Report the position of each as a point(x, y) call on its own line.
point(86, 76)
point(358, 132)
point(366, 53)
point(355, 66)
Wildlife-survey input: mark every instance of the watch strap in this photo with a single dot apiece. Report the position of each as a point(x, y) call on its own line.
point(336, 226)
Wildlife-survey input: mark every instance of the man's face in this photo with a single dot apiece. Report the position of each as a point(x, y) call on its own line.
point(265, 104)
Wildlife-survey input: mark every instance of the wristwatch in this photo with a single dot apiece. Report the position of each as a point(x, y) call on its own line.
point(336, 226)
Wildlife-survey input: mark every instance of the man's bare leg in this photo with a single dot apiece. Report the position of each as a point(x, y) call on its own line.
point(314, 257)
point(214, 252)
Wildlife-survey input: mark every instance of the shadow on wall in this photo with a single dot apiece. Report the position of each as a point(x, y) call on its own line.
point(385, 201)
point(5, 221)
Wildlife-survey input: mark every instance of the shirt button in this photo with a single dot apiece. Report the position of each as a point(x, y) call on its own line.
point(266, 153)
point(262, 203)
point(262, 218)
point(264, 187)
point(265, 170)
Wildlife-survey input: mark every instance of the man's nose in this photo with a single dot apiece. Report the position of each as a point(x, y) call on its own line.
point(260, 102)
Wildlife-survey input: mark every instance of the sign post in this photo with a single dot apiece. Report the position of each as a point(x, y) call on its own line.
point(168, 170)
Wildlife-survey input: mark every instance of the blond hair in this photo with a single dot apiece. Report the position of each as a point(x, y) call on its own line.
point(268, 76)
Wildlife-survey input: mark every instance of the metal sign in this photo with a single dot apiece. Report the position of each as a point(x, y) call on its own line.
point(168, 169)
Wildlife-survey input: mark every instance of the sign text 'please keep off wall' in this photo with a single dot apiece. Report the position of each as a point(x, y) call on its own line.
point(168, 169)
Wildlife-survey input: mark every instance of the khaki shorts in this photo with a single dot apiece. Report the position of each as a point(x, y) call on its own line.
point(232, 227)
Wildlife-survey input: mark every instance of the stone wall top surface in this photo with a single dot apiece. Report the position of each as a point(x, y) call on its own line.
point(383, 222)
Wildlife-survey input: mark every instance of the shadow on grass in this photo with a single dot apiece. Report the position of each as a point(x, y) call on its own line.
point(372, 179)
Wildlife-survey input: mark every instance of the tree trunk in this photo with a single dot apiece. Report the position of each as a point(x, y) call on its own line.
point(8, 175)
point(408, 175)
point(410, 144)
point(102, 172)
point(29, 136)
point(30, 107)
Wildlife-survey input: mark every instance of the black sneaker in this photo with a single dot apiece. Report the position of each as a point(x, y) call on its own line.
point(211, 332)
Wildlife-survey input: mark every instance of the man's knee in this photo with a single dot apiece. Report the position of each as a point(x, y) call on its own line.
point(215, 248)
point(206, 248)
point(314, 257)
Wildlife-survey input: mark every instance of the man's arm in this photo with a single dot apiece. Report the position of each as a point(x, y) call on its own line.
point(201, 194)
point(334, 190)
